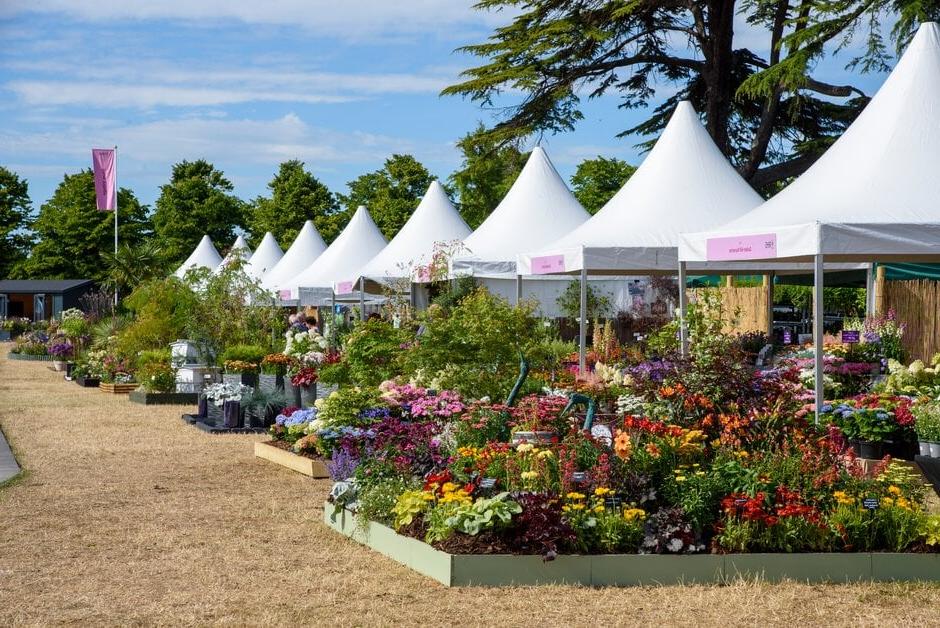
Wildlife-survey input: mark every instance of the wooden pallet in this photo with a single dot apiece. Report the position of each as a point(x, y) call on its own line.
point(117, 389)
point(300, 464)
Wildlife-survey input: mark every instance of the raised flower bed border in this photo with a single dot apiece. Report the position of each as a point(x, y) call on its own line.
point(630, 569)
point(118, 388)
point(87, 382)
point(28, 357)
point(170, 398)
point(301, 464)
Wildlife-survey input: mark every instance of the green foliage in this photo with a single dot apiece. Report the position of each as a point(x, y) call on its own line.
point(486, 174)
point(547, 56)
point(15, 213)
point(252, 354)
point(161, 311)
point(391, 194)
point(475, 349)
point(133, 265)
point(72, 233)
point(342, 407)
point(296, 196)
point(157, 376)
point(492, 513)
point(377, 499)
point(198, 200)
point(454, 291)
point(232, 309)
point(569, 301)
point(848, 301)
point(409, 506)
point(371, 352)
point(596, 181)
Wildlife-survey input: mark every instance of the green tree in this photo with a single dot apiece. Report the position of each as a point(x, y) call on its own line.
point(486, 174)
point(296, 196)
point(770, 115)
point(133, 265)
point(15, 214)
point(196, 201)
point(72, 234)
point(391, 194)
point(596, 180)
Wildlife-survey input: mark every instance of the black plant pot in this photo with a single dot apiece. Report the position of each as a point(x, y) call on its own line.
point(250, 380)
point(231, 414)
point(203, 407)
point(871, 449)
point(294, 395)
point(308, 395)
point(68, 369)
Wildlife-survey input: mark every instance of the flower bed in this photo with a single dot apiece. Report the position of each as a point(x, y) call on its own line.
point(118, 388)
point(30, 357)
point(626, 569)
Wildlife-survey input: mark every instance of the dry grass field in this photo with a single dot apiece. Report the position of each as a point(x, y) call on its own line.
point(128, 516)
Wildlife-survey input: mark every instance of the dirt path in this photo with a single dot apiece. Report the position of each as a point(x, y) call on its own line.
point(128, 516)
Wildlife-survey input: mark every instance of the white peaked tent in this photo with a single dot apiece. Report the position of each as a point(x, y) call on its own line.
point(204, 256)
point(685, 183)
point(307, 247)
point(538, 209)
point(240, 249)
point(359, 242)
point(264, 258)
point(873, 196)
point(434, 220)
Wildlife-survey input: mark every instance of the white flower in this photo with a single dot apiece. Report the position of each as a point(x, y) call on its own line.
point(674, 545)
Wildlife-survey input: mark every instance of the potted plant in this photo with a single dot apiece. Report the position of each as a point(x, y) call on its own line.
point(875, 426)
point(60, 352)
point(263, 406)
point(273, 369)
point(228, 397)
point(927, 426)
point(241, 372)
point(304, 381)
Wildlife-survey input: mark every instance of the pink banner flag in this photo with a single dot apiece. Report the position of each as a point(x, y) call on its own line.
point(105, 182)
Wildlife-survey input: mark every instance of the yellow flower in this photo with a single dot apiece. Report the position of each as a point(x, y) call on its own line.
point(529, 475)
point(894, 490)
point(843, 498)
point(449, 487)
point(599, 508)
point(600, 491)
point(574, 495)
point(545, 453)
point(633, 514)
point(680, 478)
point(742, 454)
point(525, 447)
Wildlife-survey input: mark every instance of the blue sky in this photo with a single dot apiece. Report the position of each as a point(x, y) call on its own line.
point(340, 85)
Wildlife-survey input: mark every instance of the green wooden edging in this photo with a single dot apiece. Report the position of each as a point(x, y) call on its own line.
point(150, 398)
point(630, 569)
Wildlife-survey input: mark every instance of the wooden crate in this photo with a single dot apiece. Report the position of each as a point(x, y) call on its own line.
point(300, 464)
point(117, 389)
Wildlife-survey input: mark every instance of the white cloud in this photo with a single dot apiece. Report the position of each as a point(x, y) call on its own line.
point(349, 20)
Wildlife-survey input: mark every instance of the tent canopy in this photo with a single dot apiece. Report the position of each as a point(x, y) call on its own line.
point(240, 249)
point(685, 183)
point(307, 247)
point(359, 242)
point(872, 196)
point(264, 258)
point(203, 256)
point(434, 220)
point(538, 209)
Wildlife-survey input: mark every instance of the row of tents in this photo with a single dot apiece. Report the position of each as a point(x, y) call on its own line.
point(873, 196)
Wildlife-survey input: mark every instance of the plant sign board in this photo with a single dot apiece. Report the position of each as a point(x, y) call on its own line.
point(871, 503)
point(744, 247)
point(850, 336)
point(787, 337)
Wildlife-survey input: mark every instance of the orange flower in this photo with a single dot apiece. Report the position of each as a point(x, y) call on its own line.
point(623, 446)
point(652, 449)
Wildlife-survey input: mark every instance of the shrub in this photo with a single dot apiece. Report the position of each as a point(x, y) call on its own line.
point(157, 377)
point(372, 352)
point(252, 354)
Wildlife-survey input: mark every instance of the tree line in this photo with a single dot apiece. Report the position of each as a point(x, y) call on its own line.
point(69, 238)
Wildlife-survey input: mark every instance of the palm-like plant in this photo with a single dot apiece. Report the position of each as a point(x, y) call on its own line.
point(132, 265)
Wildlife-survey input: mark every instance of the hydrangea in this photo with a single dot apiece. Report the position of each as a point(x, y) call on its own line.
point(226, 391)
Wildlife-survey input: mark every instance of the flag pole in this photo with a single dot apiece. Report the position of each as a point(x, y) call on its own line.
point(115, 224)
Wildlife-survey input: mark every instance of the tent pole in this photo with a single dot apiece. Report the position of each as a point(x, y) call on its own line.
point(818, 320)
point(870, 290)
point(518, 290)
point(683, 306)
point(332, 316)
point(582, 328)
point(769, 283)
point(362, 299)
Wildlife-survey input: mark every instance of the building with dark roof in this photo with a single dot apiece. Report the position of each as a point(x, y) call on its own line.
point(39, 299)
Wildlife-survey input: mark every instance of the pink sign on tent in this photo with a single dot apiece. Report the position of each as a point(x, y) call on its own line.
point(344, 287)
point(758, 246)
point(548, 264)
point(103, 162)
point(284, 295)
